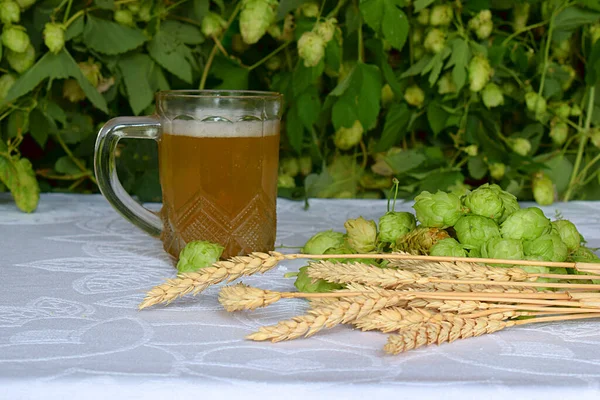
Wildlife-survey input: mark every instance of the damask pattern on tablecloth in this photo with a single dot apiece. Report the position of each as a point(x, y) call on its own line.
point(69, 313)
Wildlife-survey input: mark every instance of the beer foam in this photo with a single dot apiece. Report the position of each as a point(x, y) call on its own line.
point(224, 129)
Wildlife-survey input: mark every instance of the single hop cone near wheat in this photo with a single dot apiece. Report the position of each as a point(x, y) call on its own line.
point(420, 240)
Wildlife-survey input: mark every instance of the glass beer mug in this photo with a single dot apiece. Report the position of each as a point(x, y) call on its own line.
point(218, 161)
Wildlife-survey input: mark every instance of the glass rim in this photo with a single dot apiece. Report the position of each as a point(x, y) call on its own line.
point(226, 94)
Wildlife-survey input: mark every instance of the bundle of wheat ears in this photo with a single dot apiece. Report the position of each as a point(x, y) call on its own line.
point(419, 300)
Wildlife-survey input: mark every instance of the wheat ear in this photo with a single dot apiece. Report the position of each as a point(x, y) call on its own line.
point(196, 282)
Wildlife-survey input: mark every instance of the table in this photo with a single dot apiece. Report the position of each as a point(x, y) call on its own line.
point(73, 273)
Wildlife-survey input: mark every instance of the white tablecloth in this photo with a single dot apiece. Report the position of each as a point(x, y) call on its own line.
point(73, 273)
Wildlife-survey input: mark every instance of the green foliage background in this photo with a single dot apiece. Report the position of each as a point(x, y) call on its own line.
point(410, 91)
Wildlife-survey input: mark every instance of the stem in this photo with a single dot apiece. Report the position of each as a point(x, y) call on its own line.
point(337, 8)
point(67, 11)
point(74, 159)
point(220, 46)
point(546, 54)
point(361, 48)
point(365, 155)
point(527, 28)
point(552, 319)
point(585, 169)
point(582, 144)
point(213, 52)
point(266, 58)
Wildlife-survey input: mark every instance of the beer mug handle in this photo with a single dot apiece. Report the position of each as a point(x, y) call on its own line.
point(106, 169)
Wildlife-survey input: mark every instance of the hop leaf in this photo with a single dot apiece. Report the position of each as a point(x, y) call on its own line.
point(25, 3)
point(9, 12)
point(346, 138)
point(54, 37)
point(446, 84)
point(306, 284)
point(361, 234)
point(15, 38)
point(322, 241)
point(311, 48)
point(480, 72)
point(395, 224)
point(213, 24)
point(255, 19)
point(21, 62)
point(198, 254)
point(439, 210)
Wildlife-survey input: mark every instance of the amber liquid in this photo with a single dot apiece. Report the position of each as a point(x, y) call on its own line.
point(220, 189)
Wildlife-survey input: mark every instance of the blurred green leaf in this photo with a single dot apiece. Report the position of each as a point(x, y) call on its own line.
point(394, 130)
point(65, 165)
point(201, 8)
point(477, 167)
point(181, 32)
point(233, 77)
point(309, 106)
point(294, 130)
point(440, 180)
point(109, 37)
point(75, 29)
point(572, 18)
point(18, 124)
point(171, 54)
point(105, 4)
point(136, 70)
point(559, 170)
point(421, 4)
point(40, 127)
point(437, 117)
point(405, 160)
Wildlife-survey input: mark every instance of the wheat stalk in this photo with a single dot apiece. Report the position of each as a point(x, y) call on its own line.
point(243, 297)
point(196, 282)
point(328, 316)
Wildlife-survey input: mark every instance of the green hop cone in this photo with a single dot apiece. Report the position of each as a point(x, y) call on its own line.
point(309, 10)
point(543, 189)
point(575, 111)
point(561, 50)
point(395, 224)
point(134, 7)
point(414, 96)
point(322, 241)
point(570, 71)
point(446, 84)
point(492, 95)
point(485, 202)
point(448, 248)
point(91, 71)
point(526, 224)
point(72, 91)
point(387, 95)
point(439, 210)
point(21, 62)
point(473, 231)
point(54, 37)
point(423, 16)
point(509, 201)
point(559, 132)
point(595, 32)
point(568, 234)
point(595, 137)
point(145, 13)
point(361, 234)
point(441, 15)
point(15, 38)
point(435, 40)
point(472, 150)
point(306, 284)
point(124, 17)
point(305, 163)
point(583, 254)
point(520, 146)
point(561, 109)
point(213, 25)
point(536, 104)
point(503, 249)
point(285, 181)
point(311, 48)
point(25, 3)
point(274, 63)
point(474, 253)
point(289, 166)
point(346, 138)
point(255, 19)
point(6, 82)
point(326, 29)
point(420, 240)
point(548, 247)
point(198, 254)
point(480, 72)
point(520, 16)
point(497, 171)
point(10, 13)
point(482, 24)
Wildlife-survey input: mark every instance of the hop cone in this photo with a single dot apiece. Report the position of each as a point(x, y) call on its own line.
point(420, 240)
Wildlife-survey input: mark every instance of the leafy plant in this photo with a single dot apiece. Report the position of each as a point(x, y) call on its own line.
point(439, 94)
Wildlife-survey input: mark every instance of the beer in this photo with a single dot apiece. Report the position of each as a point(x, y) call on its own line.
point(219, 183)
